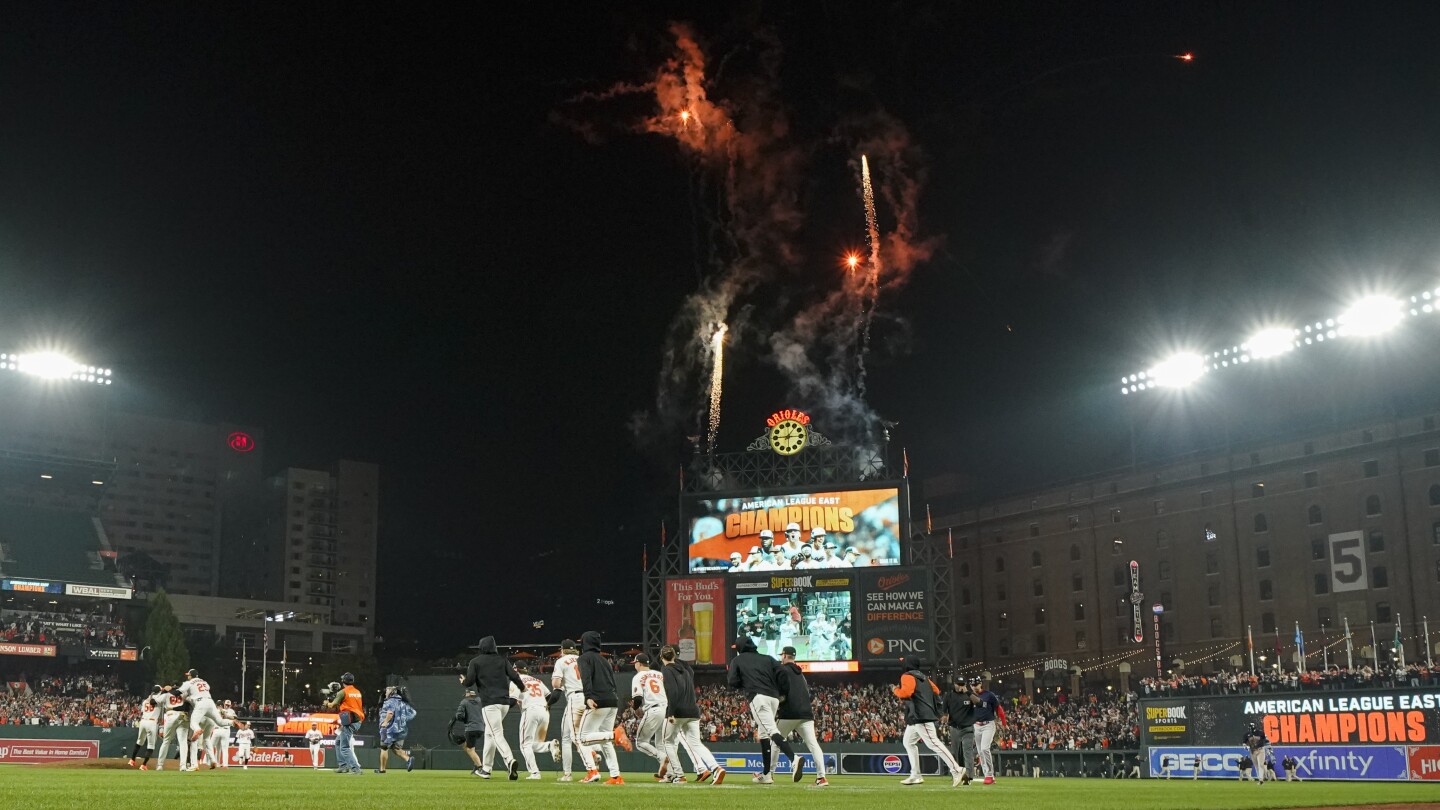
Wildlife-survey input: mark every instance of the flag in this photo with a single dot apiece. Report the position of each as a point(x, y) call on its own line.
point(904, 463)
point(950, 543)
point(929, 524)
point(1249, 639)
point(1300, 644)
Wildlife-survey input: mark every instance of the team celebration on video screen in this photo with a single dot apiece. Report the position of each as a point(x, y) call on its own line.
point(818, 624)
point(795, 532)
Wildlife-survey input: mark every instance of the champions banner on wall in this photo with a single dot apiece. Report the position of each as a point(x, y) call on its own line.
point(867, 520)
point(1348, 727)
point(893, 614)
point(695, 620)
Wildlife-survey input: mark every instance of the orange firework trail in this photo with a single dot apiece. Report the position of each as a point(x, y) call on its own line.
point(870, 291)
point(717, 384)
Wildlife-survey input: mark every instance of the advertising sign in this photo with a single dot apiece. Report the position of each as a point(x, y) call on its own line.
point(31, 586)
point(810, 611)
point(895, 616)
point(1368, 762)
point(11, 648)
point(98, 591)
point(110, 654)
point(36, 752)
point(749, 762)
point(695, 619)
point(889, 764)
point(277, 757)
point(1424, 762)
point(1166, 721)
point(865, 520)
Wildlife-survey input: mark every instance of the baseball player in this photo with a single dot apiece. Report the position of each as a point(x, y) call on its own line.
point(204, 716)
point(754, 674)
point(566, 679)
point(1292, 768)
point(961, 711)
point(313, 738)
point(1260, 753)
point(597, 721)
point(647, 695)
point(737, 563)
point(175, 729)
point(792, 544)
point(987, 714)
point(534, 721)
point(219, 740)
point(244, 738)
point(922, 711)
point(796, 715)
point(683, 720)
point(147, 731)
point(1245, 764)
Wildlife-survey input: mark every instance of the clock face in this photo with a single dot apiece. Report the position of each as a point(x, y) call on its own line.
point(788, 437)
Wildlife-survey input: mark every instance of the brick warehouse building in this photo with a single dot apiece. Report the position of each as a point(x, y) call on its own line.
point(1313, 529)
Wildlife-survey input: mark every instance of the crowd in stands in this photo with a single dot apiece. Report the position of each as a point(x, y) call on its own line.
point(1334, 678)
point(75, 700)
point(871, 713)
point(76, 626)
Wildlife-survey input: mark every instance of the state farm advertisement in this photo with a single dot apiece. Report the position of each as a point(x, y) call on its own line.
point(276, 757)
point(35, 752)
point(695, 619)
point(894, 616)
point(10, 648)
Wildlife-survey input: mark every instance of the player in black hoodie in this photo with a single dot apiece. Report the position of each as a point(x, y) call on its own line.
point(490, 675)
point(754, 674)
point(683, 719)
point(796, 714)
point(597, 722)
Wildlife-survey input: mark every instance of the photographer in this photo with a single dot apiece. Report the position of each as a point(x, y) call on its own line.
point(345, 698)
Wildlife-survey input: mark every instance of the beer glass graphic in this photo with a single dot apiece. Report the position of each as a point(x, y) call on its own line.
point(704, 616)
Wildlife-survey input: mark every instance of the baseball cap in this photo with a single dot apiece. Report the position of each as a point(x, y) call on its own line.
point(852, 550)
point(642, 658)
point(831, 546)
point(787, 651)
point(764, 533)
point(568, 644)
point(818, 531)
point(792, 527)
point(734, 555)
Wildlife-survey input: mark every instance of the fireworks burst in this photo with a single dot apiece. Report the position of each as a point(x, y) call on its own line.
point(717, 384)
point(870, 291)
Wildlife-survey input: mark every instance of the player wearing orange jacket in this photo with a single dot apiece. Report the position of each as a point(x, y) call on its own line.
point(922, 709)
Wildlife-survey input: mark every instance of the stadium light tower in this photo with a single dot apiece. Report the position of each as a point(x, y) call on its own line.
point(52, 365)
point(1371, 316)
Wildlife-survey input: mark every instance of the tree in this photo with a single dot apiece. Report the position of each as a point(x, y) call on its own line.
point(168, 656)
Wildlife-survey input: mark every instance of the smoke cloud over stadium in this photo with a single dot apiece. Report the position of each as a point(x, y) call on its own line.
point(752, 171)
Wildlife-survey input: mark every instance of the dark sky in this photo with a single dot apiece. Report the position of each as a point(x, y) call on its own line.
point(360, 227)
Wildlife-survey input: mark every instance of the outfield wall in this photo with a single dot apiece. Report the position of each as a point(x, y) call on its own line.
point(1370, 735)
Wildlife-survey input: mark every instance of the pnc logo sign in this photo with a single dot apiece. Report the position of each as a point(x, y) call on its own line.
point(893, 646)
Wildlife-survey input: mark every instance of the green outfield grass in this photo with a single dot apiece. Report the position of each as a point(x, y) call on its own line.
point(64, 788)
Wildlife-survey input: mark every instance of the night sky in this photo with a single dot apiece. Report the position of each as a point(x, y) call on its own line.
point(409, 236)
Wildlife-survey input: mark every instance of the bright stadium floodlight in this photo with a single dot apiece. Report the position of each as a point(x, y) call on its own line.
point(1179, 371)
point(1271, 342)
point(52, 365)
point(1371, 315)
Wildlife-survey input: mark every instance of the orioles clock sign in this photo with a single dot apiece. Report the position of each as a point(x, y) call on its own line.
point(789, 431)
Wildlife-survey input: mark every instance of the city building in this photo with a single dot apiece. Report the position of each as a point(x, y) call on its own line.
point(1315, 530)
point(309, 540)
point(163, 488)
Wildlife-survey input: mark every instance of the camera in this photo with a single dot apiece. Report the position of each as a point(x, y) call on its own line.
point(330, 689)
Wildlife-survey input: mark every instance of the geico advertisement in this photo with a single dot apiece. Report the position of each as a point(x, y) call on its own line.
point(836, 529)
point(1368, 762)
point(1355, 718)
point(894, 613)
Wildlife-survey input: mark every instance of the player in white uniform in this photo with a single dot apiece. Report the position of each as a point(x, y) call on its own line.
point(204, 716)
point(534, 720)
point(243, 739)
point(566, 679)
point(147, 732)
point(647, 694)
point(313, 738)
point(176, 730)
point(219, 740)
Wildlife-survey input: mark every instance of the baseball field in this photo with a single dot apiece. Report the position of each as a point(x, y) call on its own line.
point(104, 784)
